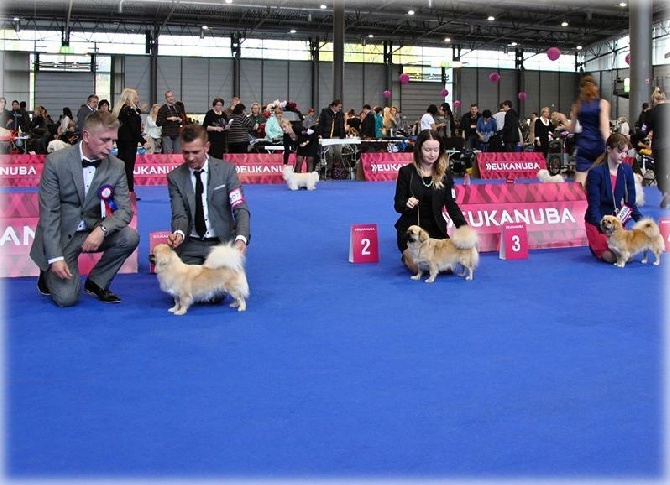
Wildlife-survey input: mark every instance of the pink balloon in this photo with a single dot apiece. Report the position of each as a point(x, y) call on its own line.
point(494, 77)
point(457, 103)
point(386, 93)
point(444, 93)
point(403, 78)
point(553, 53)
point(628, 58)
point(522, 96)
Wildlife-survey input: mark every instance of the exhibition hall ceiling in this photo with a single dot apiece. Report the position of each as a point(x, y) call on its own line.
point(498, 25)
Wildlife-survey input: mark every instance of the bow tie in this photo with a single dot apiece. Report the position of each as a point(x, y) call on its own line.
point(90, 163)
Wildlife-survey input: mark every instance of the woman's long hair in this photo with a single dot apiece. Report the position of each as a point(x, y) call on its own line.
point(127, 96)
point(615, 140)
point(442, 163)
point(588, 88)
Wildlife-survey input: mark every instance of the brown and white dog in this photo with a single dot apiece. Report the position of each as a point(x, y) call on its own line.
point(645, 236)
point(223, 272)
point(435, 255)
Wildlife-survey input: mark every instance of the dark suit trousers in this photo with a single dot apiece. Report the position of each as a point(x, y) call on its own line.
point(116, 248)
point(128, 153)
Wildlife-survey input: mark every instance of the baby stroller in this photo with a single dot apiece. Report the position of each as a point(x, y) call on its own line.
point(560, 156)
point(461, 160)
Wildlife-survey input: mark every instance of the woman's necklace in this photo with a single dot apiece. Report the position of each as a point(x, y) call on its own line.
point(427, 185)
point(422, 172)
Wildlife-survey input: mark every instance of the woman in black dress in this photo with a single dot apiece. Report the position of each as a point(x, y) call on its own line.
point(423, 189)
point(215, 123)
point(128, 112)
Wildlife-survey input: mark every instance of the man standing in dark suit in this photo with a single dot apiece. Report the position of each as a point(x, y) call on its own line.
point(207, 200)
point(331, 125)
point(76, 187)
point(85, 110)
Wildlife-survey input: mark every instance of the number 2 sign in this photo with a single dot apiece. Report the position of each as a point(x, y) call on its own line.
point(363, 245)
point(514, 242)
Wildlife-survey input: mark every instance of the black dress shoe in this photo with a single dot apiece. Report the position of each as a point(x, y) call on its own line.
point(103, 295)
point(42, 284)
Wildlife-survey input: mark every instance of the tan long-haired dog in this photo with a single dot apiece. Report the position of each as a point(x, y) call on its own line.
point(437, 255)
point(223, 272)
point(645, 236)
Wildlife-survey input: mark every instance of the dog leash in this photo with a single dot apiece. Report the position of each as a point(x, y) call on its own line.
point(411, 179)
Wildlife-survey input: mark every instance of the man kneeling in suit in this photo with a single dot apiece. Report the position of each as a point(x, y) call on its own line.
point(73, 183)
point(207, 200)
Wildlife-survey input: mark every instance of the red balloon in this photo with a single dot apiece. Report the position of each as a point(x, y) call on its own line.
point(444, 93)
point(386, 93)
point(628, 58)
point(522, 96)
point(494, 77)
point(403, 78)
point(457, 103)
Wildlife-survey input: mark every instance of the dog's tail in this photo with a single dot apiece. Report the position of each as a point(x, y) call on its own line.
point(649, 227)
point(465, 237)
point(225, 256)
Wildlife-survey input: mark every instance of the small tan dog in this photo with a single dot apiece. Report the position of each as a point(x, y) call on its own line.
point(645, 236)
point(296, 181)
point(437, 255)
point(223, 272)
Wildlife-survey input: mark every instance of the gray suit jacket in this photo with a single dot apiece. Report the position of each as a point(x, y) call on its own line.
point(228, 218)
point(63, 205)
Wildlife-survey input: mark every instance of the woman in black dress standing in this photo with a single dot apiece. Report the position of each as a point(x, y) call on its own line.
point(128, 112)
point(215, 123)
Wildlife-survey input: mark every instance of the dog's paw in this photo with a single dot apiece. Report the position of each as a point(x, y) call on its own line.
point(657, 262)
point(173, 309)
point(181, 311)
point(415, 277)
point(430, 280)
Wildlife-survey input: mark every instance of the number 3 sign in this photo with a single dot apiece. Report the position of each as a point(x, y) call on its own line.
point(363, 245)
point(514, 242)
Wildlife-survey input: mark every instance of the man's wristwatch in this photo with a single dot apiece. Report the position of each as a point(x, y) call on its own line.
point(104, 230)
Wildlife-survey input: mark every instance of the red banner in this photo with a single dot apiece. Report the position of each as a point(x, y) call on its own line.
point(384, 166)
point(552, 212)
point(19, 213)
point(252, 168)
point(510, 165)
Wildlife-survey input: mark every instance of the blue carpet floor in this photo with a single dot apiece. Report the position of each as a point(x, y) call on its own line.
point(547, 368)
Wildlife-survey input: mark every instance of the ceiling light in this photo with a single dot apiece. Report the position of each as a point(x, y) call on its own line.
point(623, 4)
point(490, 18)
point(292, 31)
point(579, 47)
point(323, 7)
point(410, 12)
point(370, 36)
point(447, 39)
point(564, 24)
point(229, 1)
point(204, 27)
point(513, 44)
